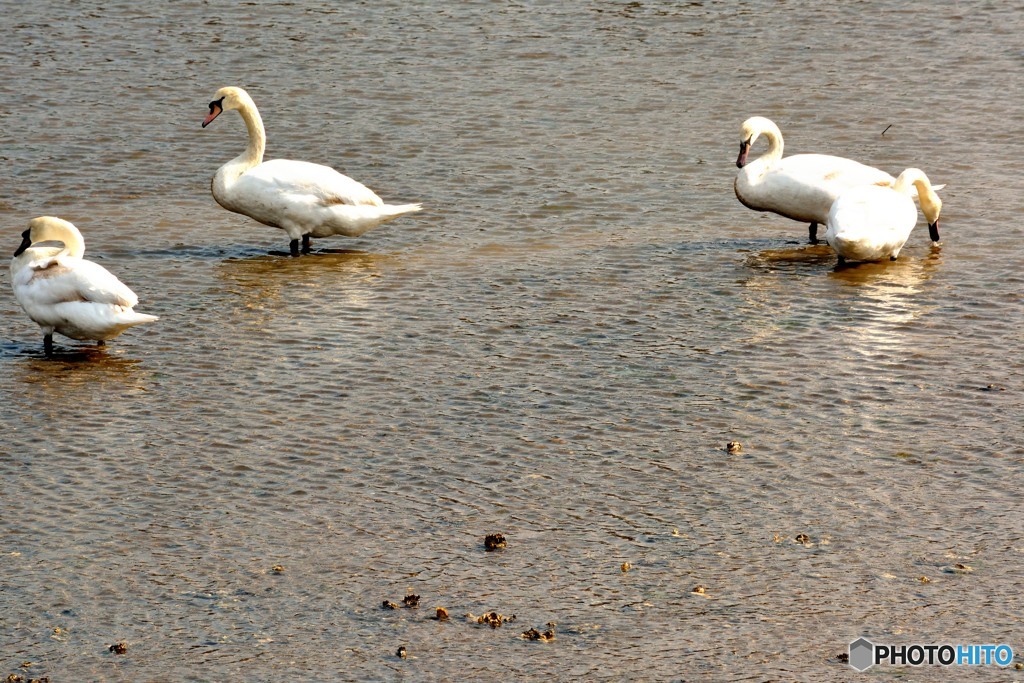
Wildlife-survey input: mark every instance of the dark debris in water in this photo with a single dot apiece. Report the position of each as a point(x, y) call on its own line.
point(733, 447)
point(533, 634)
point(495, 542)
point(119, 648)
point(441, 614)
point(411, 600)
point(992, 387)
point(803, 538)
point(389, 605)
point(492, 619)
point(402, 653)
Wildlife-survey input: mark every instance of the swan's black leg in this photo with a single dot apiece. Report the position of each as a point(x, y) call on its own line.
point(305, 243)
point(48, 344)
point(294, 244)
point(812, 232)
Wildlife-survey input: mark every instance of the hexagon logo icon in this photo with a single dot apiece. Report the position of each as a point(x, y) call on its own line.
point(862, 654)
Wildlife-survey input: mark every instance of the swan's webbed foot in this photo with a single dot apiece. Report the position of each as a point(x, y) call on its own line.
point(812, 233)
point(305, 243)
point(294, 244)
point(48, 344)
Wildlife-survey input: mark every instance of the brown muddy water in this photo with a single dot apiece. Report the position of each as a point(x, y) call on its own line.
point(557, 349)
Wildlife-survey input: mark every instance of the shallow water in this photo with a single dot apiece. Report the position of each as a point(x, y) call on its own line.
point(558, 348)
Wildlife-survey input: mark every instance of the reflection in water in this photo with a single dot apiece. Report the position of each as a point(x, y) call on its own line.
point(766, 314)
point(269, 276)
point(886, 299)
point(794, 258)
point(868, 312)
point(266, 284)
point(88, 365)
point(326, 299)
point(81, 376)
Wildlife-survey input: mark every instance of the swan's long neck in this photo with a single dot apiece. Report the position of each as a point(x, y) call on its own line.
point(775, 145)
point(912, 177)
point(755, 170)
point(253, 154)
point(74, 245)
point(931, 205)
point(48, 228)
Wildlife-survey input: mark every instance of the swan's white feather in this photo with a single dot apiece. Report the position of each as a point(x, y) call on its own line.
point(872, 223)
point(803, 186)
point(300, 197)
point(62, 292)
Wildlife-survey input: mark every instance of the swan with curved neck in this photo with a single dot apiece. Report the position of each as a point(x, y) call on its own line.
point(62, 292)
point(303, 199)
point(871, 223)
point(801, 186)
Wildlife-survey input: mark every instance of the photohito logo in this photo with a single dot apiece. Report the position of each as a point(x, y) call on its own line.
point(864, 654)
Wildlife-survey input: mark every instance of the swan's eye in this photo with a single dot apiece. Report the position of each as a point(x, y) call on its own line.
point(219, 104)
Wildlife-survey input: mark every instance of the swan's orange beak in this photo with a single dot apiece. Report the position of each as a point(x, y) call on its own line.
point(741, 160)
point(215, 110)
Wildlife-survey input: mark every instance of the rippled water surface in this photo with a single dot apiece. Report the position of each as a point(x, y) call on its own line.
point(558, 348)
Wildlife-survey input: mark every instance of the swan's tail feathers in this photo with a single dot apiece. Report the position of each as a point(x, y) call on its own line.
point(390, 211)
point(395, 210)
point(111, 326)
point(353, 221)
point(938, 187)
point(131, 318)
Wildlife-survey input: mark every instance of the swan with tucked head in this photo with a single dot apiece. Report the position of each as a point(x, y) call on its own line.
point(801, 186)
point(62, 292)
point(303, 199)
point(871, 223)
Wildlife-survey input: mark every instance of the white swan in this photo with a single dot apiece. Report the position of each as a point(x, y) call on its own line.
point(64, 293)
point(801, 186)
point(301, 198)
point(871, 223)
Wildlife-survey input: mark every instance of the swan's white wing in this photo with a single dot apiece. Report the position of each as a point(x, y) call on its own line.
point(305, 181)
point(829, 169)
point(55, 280)
point(870, 223)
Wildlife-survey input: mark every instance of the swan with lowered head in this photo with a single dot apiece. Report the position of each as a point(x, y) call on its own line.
point(62, 292)
point(303, 199)
point(801, 186)
point(870, 223)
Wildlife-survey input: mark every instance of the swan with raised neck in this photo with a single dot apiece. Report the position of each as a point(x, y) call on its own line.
point(302, 198)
